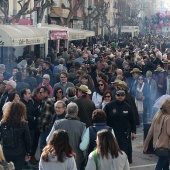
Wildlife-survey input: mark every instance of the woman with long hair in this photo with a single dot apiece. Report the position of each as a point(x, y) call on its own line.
point(98, 94)
point(58, 154)
point(16, 142)
point(107, 154)
point(160, 131)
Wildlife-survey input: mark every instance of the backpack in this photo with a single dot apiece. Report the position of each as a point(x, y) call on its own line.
point(92, 135)
point(94, 155)
point(9, 136)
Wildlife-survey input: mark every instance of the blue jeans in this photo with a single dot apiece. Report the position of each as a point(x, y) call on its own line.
point(163, 163)
point(43, 137)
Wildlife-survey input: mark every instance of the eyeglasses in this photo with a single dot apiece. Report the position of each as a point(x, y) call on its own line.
point(45, 78)
point(140, 79)
point(100, 84)
point(59, 92)
point(107, 96)
point(62, 77)
point(122, 95)
point(58, 107)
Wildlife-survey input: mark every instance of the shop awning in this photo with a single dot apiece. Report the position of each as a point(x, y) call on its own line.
point(55, 31)
point(60, 32)
point(80, 34)
point(20, 35)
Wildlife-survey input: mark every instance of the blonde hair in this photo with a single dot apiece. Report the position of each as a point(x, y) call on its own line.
point(2, 158)
point(164, 110)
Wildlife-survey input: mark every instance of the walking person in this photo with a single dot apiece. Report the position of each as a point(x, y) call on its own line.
point(160, 131)
point(75, 128)
point(16, 140)
point(121, 118)
point(58, 154)
point(107, 154)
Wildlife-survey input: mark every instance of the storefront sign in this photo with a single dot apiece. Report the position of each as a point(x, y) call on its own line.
point(27, 41)
point(57, 35)
point(76, 36)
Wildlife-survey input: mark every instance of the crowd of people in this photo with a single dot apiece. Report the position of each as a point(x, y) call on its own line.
point(83, 104)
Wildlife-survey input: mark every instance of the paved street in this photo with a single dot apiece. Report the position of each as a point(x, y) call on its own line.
point(142, 161)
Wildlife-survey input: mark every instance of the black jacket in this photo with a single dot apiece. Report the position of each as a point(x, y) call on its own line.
point(21, 85)
point(24, 144)
point(120, 117)
point(31, 115)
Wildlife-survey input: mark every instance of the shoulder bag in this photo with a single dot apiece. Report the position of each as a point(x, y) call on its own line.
point(161, 151)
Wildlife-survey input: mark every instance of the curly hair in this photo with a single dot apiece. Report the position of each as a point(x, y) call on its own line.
point(14, 114)
point(59, 145)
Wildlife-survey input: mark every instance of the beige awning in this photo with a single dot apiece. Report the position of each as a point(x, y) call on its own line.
point(73, 34)
point(20, 35)
point(79, 34)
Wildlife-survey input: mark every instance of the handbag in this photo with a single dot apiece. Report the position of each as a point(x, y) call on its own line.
point(161, 151)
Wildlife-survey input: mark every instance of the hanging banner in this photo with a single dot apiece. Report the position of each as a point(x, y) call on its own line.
point(58, 35)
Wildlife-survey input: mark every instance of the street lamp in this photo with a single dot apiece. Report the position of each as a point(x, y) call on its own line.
point(89, 9)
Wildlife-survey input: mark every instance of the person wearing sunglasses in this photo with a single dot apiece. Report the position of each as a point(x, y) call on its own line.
point(58, 95)
point(121, 118)
point(46, 82)
point(107, 97)
point(98, 94)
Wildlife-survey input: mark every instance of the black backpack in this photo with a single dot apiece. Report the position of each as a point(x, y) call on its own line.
point(9, 136)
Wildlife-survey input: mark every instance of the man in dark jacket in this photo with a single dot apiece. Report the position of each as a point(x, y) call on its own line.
point(86, 106)
point(120, 117)
point(46, 111)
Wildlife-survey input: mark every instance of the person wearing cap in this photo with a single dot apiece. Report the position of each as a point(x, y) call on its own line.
point(166, 65)
point(161, 82)
point(75, 129)
point(121, 85)
point(85, 105)
point(120, 117)
point(135, 73)
point(47, 70)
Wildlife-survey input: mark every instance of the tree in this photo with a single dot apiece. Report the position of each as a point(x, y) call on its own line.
point(72, 9)
point(24, 9)
point(4, 8)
